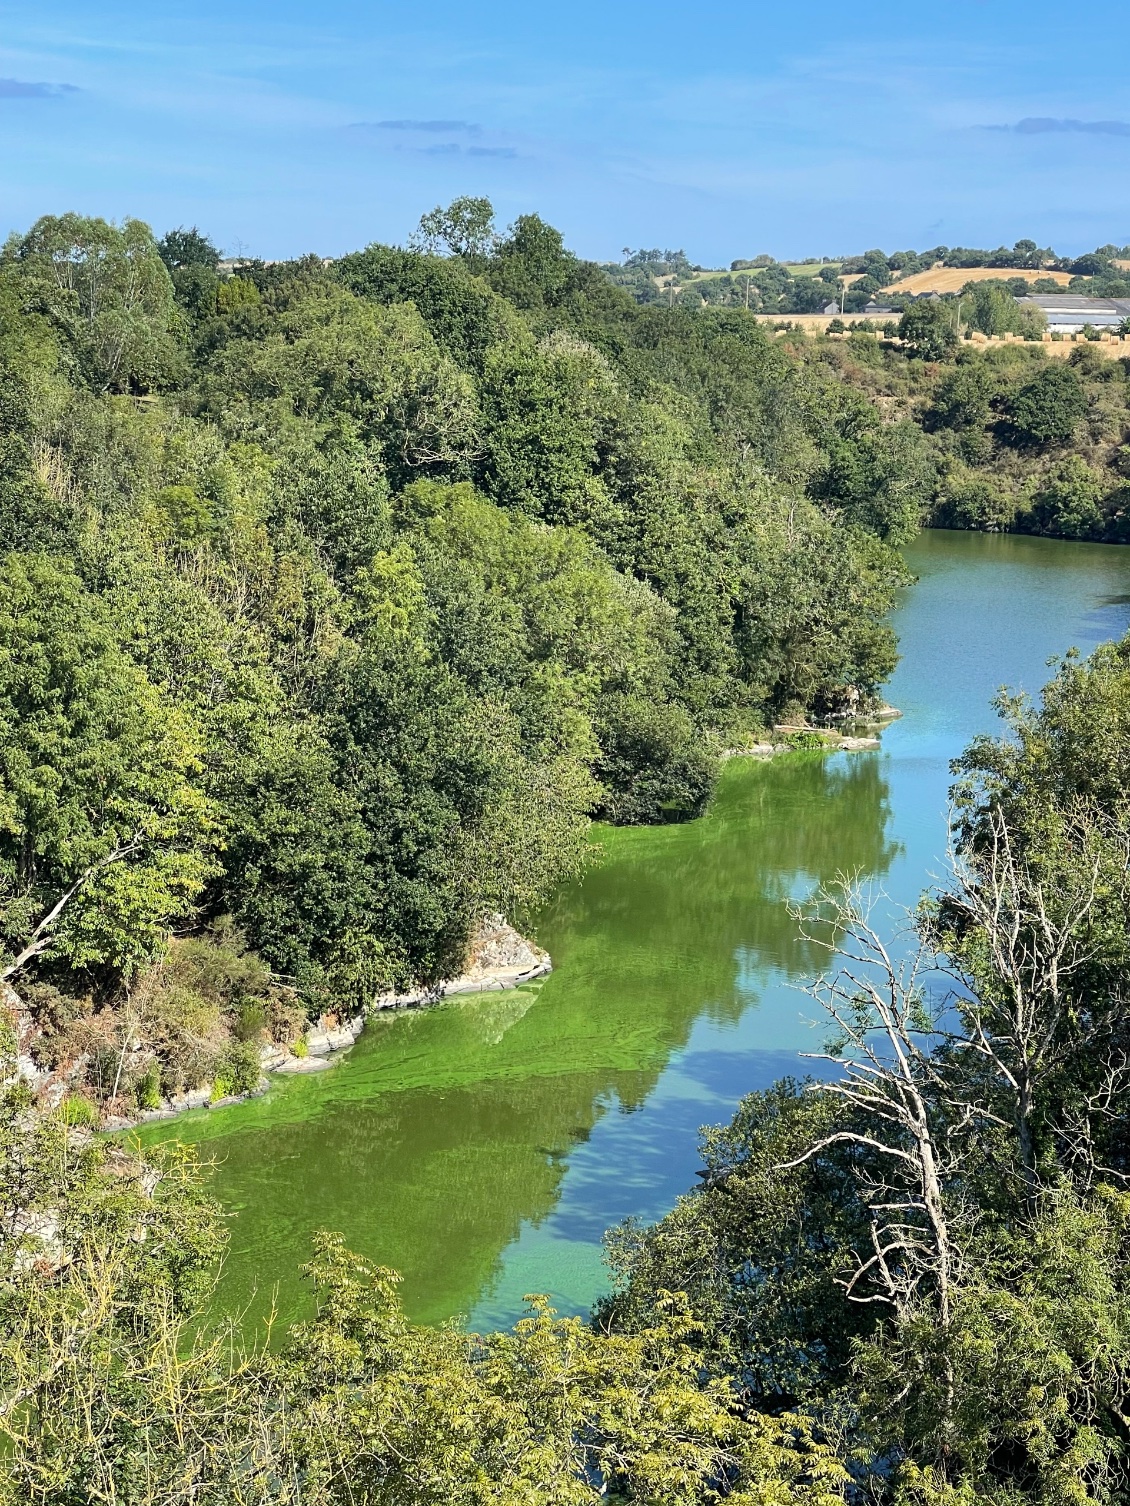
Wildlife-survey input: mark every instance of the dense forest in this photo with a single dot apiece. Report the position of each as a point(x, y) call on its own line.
point(336, 599)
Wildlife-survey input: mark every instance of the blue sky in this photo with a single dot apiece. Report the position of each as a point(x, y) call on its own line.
point(727, 129)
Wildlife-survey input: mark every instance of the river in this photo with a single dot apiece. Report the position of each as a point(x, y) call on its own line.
point(483, 1146)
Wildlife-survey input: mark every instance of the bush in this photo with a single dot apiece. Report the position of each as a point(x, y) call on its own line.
point(237, 1071)
point(1069, 502)
point(1046, 410)
point(978, 502)
point(927, 328)
point(147, 1089)
point(652, 763)
point(78, 1111)
point(250, 1021)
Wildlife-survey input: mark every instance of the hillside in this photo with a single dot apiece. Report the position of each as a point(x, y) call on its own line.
point(953, 279)
point(341, 597)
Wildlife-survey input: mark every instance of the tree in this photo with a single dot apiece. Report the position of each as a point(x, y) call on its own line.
point(465, 228)
point(105, 834)
point(927, 329)
point(187, 248)
point(106, 289)
point(531, 267)
point(1069, 502)
point(1046, 410)
point(963, 397)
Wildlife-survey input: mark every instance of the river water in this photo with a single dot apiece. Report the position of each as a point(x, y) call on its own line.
point(482, 1147)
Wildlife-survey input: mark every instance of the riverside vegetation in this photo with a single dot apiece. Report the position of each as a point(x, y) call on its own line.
point(282, 717)
point(906, 1283)
point(335, 600)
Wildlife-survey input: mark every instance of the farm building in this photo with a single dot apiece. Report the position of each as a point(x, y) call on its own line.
point(1068, 313)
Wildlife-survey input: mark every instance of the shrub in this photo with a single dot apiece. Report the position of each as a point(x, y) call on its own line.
point(1069, 501)
point(1046, 410)
point(78, 1111)
point(652, 763)
point(927, 328)
point(237, 1071)
point(147, 1089)
point(250, 1021)
point(977, 502)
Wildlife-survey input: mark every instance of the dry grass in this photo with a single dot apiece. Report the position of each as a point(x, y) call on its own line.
point(953, 279)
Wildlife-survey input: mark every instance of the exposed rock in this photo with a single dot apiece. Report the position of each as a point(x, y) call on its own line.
point(498, 947)
point(857, 744)
point(499, 957)
point(195, 1098)
point(304, 1064)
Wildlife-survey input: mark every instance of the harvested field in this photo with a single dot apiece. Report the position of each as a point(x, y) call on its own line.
point(953, 279)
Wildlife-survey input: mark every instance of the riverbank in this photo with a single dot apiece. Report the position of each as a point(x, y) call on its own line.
point(482, 1147)
point(61, 1068)
point(793, 737)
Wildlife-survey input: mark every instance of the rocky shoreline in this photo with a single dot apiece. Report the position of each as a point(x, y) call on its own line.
point(797, 736)
point(499, 958)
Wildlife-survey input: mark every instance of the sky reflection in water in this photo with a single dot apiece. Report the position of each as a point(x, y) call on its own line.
point(483, 1147)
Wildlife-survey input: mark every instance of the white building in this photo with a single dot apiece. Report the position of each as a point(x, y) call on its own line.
point(1068, 313)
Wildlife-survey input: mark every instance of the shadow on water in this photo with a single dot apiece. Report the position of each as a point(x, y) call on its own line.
point(448, 1131)
point(482, 1147)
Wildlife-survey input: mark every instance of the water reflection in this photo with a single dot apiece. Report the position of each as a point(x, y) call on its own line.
point(448, 1133)
point(482, 1147)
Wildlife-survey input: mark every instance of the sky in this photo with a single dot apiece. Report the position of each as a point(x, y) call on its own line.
point(725, 130)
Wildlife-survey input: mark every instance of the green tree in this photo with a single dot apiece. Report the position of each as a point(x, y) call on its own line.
point(106, 289)
point(927, 329)
point(1069, 502)
point(963, 397)
point(105, 830)
point(465, 228)
point(1046, 410)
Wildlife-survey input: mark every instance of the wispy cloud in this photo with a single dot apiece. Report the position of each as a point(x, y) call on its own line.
point(444, 127)
point(1039, 125)
point(18, 88)
point(453, 149)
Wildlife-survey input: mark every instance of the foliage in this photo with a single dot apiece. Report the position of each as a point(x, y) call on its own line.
point(927, 1247)
point(927, 328)
point(106, 832)
point(395, 572)
point(115, 1386)
point(1046, 410)
point(105, 289)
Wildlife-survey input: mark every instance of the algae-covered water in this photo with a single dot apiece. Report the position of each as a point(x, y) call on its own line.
point(483, 1146)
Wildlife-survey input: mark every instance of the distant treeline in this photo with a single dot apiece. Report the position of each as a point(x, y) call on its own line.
point(769, 286)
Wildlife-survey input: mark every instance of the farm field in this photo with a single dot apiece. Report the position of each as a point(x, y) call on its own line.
point(797, 269)
point(953, 279)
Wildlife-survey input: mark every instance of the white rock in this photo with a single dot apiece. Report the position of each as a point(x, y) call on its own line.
point(305, 1064)
point(196, 1098)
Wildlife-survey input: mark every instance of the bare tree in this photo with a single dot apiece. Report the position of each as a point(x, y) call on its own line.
point(896, 1096)
point(1025, 943)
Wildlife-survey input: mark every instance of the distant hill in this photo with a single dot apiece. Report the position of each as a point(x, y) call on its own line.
point(953, 279)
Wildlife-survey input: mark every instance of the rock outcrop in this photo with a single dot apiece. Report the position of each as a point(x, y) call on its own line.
point(498, 958)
